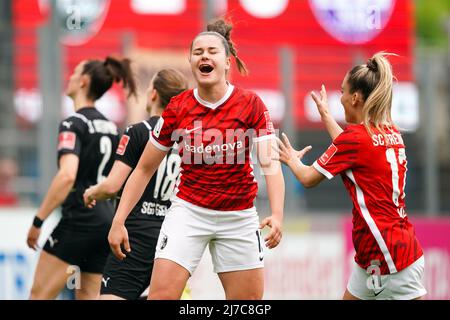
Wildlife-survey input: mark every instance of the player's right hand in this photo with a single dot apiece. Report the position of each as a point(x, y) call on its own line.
point(88, 198)
point(118, 235)
point(32, 238)
point(287, 154)
point(321, 102)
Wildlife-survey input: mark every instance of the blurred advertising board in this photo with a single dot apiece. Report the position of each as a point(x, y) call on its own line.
point(326, 38)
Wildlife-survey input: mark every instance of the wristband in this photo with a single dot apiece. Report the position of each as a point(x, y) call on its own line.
point(37, 222)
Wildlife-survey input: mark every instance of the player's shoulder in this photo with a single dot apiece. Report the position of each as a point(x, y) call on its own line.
point(356, 130)
point(241, 93)
point(353, 134)
point(182, 99)
point(74, 122)
point(139, 128)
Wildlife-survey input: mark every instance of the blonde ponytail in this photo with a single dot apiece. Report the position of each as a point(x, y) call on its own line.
point(375, 82)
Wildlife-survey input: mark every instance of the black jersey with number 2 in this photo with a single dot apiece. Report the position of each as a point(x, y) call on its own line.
point(156, 198)
point(93, 138)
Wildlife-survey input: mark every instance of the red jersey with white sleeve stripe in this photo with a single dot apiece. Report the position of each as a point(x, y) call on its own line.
point(374, 172)
point(215, 141)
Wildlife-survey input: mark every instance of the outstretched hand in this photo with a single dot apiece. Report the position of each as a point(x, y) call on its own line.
point(287, 154)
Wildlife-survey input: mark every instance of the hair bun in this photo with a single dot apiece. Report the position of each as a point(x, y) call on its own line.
point(372, 65)
point(222, 27)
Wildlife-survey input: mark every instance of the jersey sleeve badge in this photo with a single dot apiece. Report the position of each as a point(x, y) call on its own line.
point(66, 140)
point(158, 127)
point(332, 149)
point(123, 145)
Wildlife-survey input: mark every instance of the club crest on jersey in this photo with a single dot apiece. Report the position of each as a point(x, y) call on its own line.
point(328, 154)
point(123, 145)
point(163, 243)
point(158, 127)
point(67, 140)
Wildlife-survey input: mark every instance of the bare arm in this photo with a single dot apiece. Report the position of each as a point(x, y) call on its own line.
point(275, 189)
point(109, 186)
point(61, 185)
point(307, 175)
point(58, 191)
point(134, 188)
point(333, 128)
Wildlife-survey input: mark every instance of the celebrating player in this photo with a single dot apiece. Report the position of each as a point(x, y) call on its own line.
point(216, 123)
point(86, 142)
point(129, 278)
point(370, 156)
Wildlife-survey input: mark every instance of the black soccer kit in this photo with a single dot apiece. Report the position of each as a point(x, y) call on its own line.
point(80, 238)
point(130, 277)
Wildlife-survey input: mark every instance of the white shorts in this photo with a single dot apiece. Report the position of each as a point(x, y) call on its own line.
point(403, 285)
point(234, 237)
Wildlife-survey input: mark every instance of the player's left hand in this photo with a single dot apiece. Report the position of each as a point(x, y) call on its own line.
point(32, 238)
point(88, 198)
point(274, 237)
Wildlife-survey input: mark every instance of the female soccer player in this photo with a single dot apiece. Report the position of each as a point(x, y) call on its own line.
point(86, 142)
point(370, 156)
point(129, 278)
point(216, 124)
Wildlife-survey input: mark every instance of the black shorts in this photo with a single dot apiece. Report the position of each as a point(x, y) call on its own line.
point(87, 248)
point(129, 278)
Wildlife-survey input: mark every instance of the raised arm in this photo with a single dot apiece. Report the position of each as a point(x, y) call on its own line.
point(275, 190)
point(333, 128)
point(58, 191)
point(134, 188)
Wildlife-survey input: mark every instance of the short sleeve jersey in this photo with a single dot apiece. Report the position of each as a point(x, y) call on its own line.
point(92, 138)
point(374, 172)
point(215, 141)
point(155, 200)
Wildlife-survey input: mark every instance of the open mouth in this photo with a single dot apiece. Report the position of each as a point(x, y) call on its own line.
point(206, 68)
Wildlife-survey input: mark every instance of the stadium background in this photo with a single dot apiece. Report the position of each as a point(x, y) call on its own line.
point(291, 47)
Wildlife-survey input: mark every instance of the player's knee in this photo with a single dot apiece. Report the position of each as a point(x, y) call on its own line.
point(164, 294)
point(82, 294)
point(38, 292)
point(239, 295)
point(256, 296)
point(35, 293)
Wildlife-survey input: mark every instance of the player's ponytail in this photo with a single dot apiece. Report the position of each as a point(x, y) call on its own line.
point(374, 80)
point(224, 28)
point(104, 73)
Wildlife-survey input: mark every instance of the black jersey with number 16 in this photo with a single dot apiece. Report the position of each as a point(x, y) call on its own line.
point(93, 138)
point(156, 198)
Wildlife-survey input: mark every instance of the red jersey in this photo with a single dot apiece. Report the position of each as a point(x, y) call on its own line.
point(215, 141)
point(374, 173)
